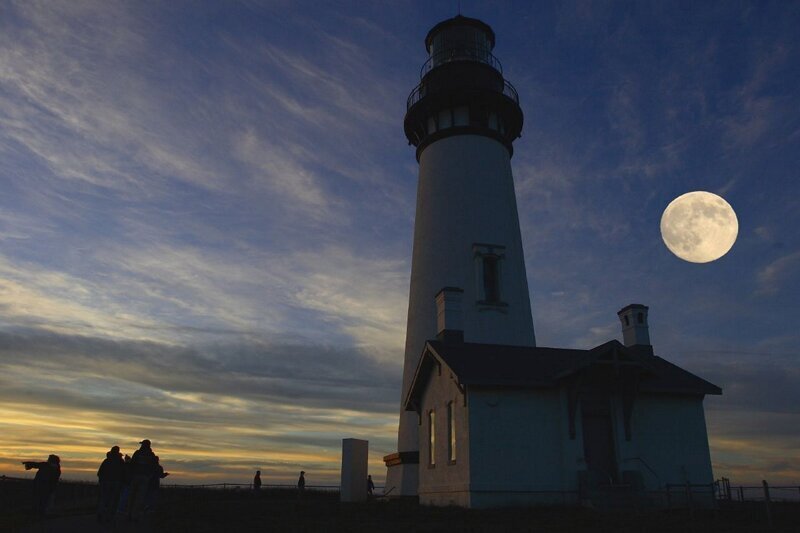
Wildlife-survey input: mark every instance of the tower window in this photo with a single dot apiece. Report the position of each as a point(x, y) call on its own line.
point(627, 320)
point(640, 318)
point(489, 274)
point(491, 281)
point(431, 438)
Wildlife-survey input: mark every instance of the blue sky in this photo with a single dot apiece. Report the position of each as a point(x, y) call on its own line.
point(207, 209)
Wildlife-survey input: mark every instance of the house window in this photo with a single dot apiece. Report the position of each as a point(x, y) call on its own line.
point(451, 432)
point(431, 438)
point(489, 271)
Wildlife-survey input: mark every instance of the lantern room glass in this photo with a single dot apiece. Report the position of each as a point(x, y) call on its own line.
point(460, 43)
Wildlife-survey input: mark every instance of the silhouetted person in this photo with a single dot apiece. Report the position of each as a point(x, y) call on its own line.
point(44, 482)
point(143, 467)
point(370, 486)
point(257, 481)
point(110, 476)
point(301, 484)
point(125, 490)
point(155, 484)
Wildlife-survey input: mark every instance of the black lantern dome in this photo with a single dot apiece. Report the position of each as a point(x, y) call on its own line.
point(462, 89)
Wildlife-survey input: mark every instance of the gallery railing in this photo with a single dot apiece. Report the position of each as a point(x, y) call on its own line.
point(421, 91)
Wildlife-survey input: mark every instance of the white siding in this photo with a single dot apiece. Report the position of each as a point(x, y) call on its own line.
point(669, 434)
point(518, 444)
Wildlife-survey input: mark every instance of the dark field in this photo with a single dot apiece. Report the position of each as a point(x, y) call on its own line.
point(202, 510)
point(325, 514)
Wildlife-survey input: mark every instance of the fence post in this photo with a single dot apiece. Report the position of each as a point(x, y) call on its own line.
point(669, 496)
point(741, 493)
point(689, 499)
point(766, 502)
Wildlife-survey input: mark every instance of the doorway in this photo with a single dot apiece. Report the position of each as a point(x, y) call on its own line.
point(598, 437)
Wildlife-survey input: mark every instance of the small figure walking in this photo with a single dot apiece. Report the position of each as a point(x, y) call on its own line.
point(44, 482)
point(301, 484)
point(370, 486)
point(257, 481)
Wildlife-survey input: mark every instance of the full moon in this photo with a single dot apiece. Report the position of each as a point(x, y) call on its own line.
point(699, 227)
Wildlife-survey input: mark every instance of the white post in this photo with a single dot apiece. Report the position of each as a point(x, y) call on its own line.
point(355, 454)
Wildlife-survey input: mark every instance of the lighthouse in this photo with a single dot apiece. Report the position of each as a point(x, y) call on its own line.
point(468, 280)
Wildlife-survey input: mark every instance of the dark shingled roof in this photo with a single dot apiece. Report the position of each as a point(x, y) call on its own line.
point(495, 365)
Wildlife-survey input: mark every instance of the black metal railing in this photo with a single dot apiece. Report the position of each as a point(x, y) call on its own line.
point(421, 90)
point(510, 91)
point(461, 53)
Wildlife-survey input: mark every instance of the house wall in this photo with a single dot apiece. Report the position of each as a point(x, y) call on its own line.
point(520, 448)
point(513, 446)
point(668, 432)
point(444, 483)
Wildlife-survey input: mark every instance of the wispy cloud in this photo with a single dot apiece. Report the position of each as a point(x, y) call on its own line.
point(772, 277)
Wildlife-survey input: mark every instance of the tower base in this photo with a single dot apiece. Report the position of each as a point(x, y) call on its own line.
point(402, 476)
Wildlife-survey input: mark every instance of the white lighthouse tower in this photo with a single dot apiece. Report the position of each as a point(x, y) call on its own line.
point(462, 118)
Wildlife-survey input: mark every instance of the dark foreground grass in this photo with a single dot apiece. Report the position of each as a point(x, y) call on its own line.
point(283, 511)
point(280, 510)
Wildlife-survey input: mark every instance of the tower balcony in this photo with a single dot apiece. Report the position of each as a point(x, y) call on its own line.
point(421, 90)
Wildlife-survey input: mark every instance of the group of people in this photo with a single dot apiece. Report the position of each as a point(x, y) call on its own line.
point(129, 485)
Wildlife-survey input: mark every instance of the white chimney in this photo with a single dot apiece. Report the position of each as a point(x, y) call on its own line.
point(635, 331)
point(449, 327)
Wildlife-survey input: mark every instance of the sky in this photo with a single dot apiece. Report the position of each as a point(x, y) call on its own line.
point(207, 208)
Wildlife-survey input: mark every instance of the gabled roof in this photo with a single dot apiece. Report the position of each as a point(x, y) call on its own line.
point(495, 365)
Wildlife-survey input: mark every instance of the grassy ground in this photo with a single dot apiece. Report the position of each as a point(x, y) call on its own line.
point(16, 498)
point(209, 510)
point(282, 511)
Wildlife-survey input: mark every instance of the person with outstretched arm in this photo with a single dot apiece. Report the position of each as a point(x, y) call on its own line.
point(44, 482)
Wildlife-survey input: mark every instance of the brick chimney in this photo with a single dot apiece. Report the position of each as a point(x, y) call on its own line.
point(449, 320)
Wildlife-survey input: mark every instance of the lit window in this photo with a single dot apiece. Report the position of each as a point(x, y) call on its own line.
point(431, 438)
point(451, 431)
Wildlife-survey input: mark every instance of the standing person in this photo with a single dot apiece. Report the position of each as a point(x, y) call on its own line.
point(44, 482)
point(257, 481)
point(301, 484)
point(110, 475)
point(155, 484)
point(370, 486)
point(125, 489)
point(143, 467)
